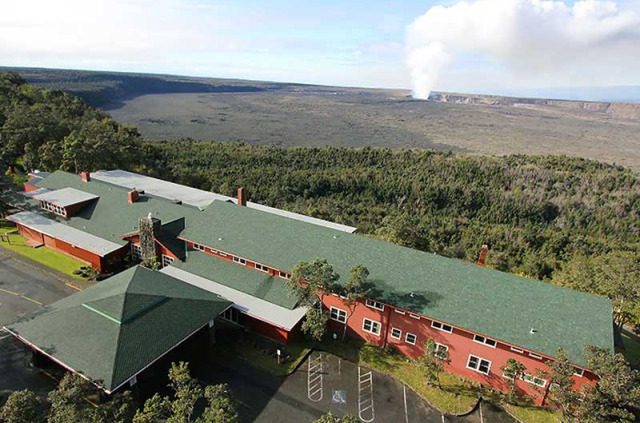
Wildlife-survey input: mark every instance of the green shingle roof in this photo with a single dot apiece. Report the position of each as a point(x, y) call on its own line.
point(499, 305)
point(111, 216)
point(249, 281)
point(111, 331)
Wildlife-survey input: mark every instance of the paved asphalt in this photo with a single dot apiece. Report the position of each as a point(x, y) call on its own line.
point(24, 288)
point(268, 399)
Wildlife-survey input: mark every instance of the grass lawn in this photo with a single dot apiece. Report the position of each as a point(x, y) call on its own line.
point(632, 348)
point(42, 255)
point(264, 358)
point(531, 414)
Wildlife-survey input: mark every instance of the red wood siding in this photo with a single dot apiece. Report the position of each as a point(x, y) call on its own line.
point(30, 233)
point(29, 188)
point(265, 329)
point(460, 343)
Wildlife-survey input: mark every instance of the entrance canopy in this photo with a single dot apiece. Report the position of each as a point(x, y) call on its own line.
point(112, 331)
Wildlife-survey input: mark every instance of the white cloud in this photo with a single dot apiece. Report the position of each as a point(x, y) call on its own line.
point(539, 41)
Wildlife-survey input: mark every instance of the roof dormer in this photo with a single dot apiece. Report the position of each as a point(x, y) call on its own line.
point(64, 202)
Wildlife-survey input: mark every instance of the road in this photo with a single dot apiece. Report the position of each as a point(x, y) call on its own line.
point(24, 288)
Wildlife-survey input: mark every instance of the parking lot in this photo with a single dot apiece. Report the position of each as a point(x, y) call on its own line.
point(24, 288)
point(326, 383)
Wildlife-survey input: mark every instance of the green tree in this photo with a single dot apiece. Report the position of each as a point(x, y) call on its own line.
point(155, 409)
point(118, 409)
point(67, 401)
point(309, 283)
point(330, 418)
point(186, 392)
point(560, 376)
point(221, 405)
point(513, 369)
point(355, 291)
point(616, 395)
point(615, 275)
point(21, 407)
point(432, 361)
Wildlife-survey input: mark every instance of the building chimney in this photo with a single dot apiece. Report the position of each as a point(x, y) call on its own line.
point(483, 254)
point(242, 197)
point(133, 196)
point(86, 177)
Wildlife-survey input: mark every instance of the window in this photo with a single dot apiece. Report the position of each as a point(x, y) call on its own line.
point(410, 338)
point(482, 340)
point(213, 251)
point(371, 326)
point(478, 364)
point(441, 350)
point(578, 372)
point(262, 268)
point(534, 380)
point(60, 211)
point(442, 327)
point(539, 357)
point(198, 247)
point(338, 315)
point(399, 311)
point(222, 253)
point(136, 252)
point(166, 260)
point(232, 314)
point(518, 350)
point(239, 260)
point(396, 333)
point(374, 304)
point(284, 275)
point(414, 316)
point(508, 375)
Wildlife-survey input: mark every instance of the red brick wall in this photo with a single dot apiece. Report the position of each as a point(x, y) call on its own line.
point(265, 329)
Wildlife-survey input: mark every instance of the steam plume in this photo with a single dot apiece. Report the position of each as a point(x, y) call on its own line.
point(528, 37)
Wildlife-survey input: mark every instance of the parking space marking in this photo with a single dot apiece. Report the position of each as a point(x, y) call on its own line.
point(481, 416)
point(24, 297)
point(314, 379)
point(406, 413)
point(366, 411)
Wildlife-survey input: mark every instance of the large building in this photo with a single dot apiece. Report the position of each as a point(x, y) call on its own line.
point(245, 252)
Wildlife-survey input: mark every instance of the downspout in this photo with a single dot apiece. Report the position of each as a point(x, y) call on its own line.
point(386, 330)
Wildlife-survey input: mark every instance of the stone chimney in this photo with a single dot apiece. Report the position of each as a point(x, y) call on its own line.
point(242, 197)
point(482, 256)
point(133, 196)
point(86, 177)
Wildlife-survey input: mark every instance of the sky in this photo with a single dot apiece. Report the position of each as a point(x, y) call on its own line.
point(422, 45)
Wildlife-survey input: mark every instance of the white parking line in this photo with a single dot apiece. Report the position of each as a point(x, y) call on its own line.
point(406, 413)
point(314, 379)
point(366, 411)
point(481, 416)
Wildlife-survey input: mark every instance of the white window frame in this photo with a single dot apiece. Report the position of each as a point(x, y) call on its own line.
point(340, 314)
point(284, 275)
point(136, 251)
point(578, 372)
point(442, 327)
point(534, 380)
point(406, 338)
point(414, 316)
point(440, 346)
point(480, 361)
point(485, 341)
point(213, 251)
point(222, 253)
point(376, 305)
point(536, 356)
point(262, 267)
point(518, 350)
point(239, 260)
point(508, 376)
point(372, 324)
point(398, 331)
point(198, 247)
point(399, 311)
point(167, 260)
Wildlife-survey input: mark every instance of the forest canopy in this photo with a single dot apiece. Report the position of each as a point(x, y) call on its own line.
point(572, 221)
